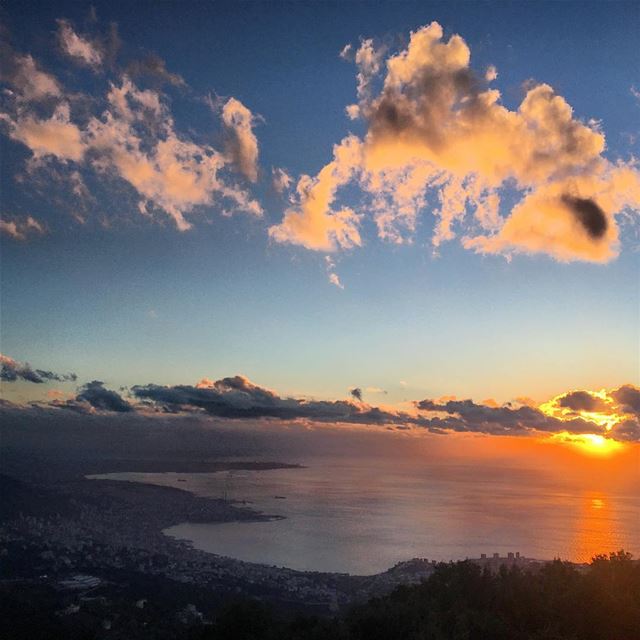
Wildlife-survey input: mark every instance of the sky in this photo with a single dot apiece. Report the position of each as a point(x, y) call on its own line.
point(376, 205)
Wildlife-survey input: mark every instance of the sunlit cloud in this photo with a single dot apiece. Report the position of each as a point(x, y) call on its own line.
point(309, 222)
point(616, 412)
point(55, 136)
point(131, 134)
point(136, 137)
point(436, 129)
point(590, 443)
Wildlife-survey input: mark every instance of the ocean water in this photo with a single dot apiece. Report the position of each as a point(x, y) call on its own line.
point(363, 516)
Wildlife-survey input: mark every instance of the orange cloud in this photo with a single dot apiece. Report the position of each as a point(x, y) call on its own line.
point(56, 136)
point(134, 138)
point(311, 222)
point(438, 128)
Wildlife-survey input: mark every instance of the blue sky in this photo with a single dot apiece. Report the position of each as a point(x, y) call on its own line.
point(131, 300)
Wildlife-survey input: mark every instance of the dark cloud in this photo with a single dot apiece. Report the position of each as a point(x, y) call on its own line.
point(582, 401)
point(12, 370)
point(101, 398)
point(587, 212)
point(626, 431)
point(419, 108)
point(628, 398)
point(466, 415)
point(237, 397)
point(153, 68)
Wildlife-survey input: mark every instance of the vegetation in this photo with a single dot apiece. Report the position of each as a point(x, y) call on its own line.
point(460, 601)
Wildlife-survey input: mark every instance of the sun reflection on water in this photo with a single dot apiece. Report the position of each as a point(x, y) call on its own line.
point(595, 527)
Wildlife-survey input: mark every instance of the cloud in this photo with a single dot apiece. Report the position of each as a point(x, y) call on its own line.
point(466, 415)
point(55, 136)
point(607, 414)
point(26, 78)
point(369, 62)
point(356, 393)
point(103, 399)
point(491, 73)
point(311, 222)
point(280, 180)
point(238, 397)
point(581, 401)
point(628, 398)
point(20, 228)
point(375, 390)
point(136, 138)
point(437, 131)
point(130, 134)
point(11, 370)
point(334, 279)
point(601, 415)
point(80, 49)
point(241, 143)
point(617, 411)
point(154, 67)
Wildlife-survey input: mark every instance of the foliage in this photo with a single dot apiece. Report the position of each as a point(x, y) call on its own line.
point(461, 601)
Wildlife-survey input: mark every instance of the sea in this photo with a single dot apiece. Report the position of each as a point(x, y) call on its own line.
point(362, 516)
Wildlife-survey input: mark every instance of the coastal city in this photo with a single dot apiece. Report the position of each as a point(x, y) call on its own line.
point(96, 547)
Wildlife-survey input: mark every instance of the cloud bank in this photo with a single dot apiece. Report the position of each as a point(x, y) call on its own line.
point(613, 414)
point(609, 414)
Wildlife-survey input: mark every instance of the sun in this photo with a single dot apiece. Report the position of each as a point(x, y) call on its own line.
point(589, 443)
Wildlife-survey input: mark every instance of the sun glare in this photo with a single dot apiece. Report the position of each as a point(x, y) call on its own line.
point(604, 414)
point(590, 443)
